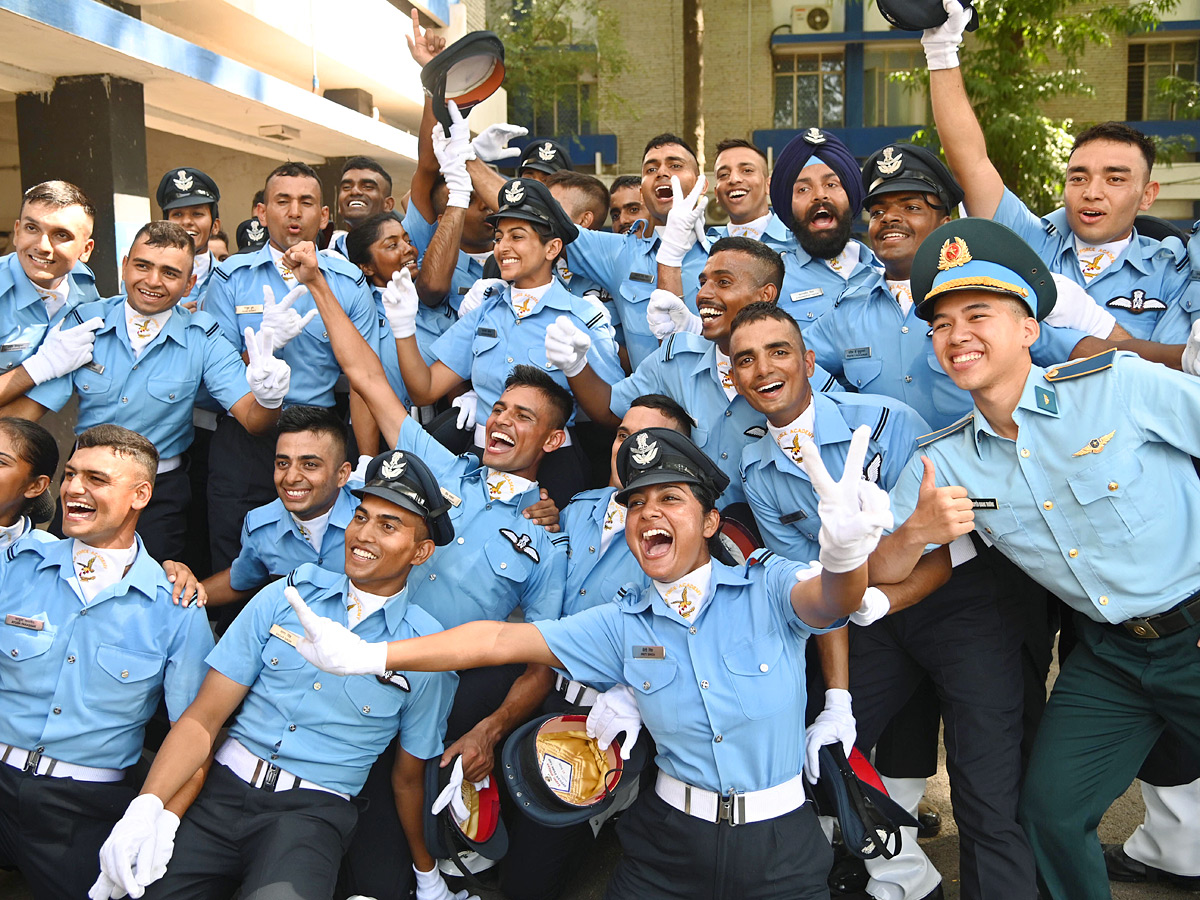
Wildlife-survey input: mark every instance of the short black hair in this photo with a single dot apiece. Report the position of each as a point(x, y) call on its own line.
point(165, 234)
point(734, 143)
point(669, 408)
point(762, 312)
point(59, 194)
point(591, 187)
point(360, 238)
point(365, 162)
point(770, 263)
point(625, 181)
point(125, 444)
point(259, 196)
point(1122, 134)
point(317, 419)
point(561, 402)
point(292, 170)
point(221, 236)
point(661, 140)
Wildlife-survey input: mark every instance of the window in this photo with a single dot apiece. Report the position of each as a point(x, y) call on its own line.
point(1149, 63)
point(569, 110)
point(810, 89)
point(889, 102)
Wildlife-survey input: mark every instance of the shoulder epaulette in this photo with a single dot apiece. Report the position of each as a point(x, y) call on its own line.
point(629, 598)
point(595, 320)
point(212, 329)
point(10, 552)
point(883, 417)
point(1050, 228)
point(343, 267)
point(926, 440)
point(225, 268)
point(1081, 367)
point(758, 557)
point(1182, 263)
point(261, 515)
point(828, 384)
point(670, 347)
point(560, 539)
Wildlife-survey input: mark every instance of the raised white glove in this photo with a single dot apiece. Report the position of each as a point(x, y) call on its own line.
point(430, 886)
point(451, 794)
point(478, 292)
point(685, 222)
point(667, 314)
point(285, 323)
point(1076, 309)
point(615, 711)
point(452, 160)
point(941, 43)
point(269, 377)
point(875, 605)
point(853, 511)
point(1191, 350)
point(400, 304)
point(359, 475)
point(332, 647)
point(567, 346)
point(63, 351)
point(465, 404)
point(137, 850)
point(835, 725)
point(492, 143)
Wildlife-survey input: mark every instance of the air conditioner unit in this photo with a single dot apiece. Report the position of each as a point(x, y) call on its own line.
point(814, 18)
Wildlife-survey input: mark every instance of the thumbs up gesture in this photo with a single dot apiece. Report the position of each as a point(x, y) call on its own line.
point(942, 513)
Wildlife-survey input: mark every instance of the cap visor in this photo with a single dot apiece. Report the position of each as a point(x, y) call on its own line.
point(395, 497)
point(495, 217)
point(895, 185)
point(655, 476)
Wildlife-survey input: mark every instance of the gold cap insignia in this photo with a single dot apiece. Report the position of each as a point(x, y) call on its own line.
point(954, 253)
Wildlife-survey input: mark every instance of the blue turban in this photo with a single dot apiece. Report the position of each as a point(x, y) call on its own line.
point(796, 155)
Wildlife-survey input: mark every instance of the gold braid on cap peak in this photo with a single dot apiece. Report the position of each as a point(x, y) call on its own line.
point(979, 281)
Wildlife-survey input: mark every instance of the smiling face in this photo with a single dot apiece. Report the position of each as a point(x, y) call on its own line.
point(822, 211)
point(667, 530)
point(1108, 184)
point(626, 208)
point(361, 194)
point(102, 494)
point(524, 259)
point(982, 340)
point(383, 542)
point(292, 210)
point(635, 420)
point(18, 484)
point(729, 281)
point(771, 369)
point(390, 253)
point(309, 472)
point(49, 240)
point(897, 223)
point(520, 431)
point(156, 278)
point(198, 222)
point(742, 184)
point(658, 165)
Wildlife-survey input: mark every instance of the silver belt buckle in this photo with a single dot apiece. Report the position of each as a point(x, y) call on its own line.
point(32, 760)
point(732, 809)
point(1140, 628)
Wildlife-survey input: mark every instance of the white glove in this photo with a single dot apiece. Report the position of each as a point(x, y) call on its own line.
point(685, 222)
point(615, 711)
point(465, 404)
point(137, 850)
point(1191, 350)
point(567, 346)
point(875, 605)
point(667, 314)
point(941, 43)
point(332, 647)
point(452, 151)
point(479, 292)
point(63, 351)
point(853, 511)
point(492, 144)
point(400, 304)
point(285, 323)
point(359, 475)
point(1076, 309)
point(430, 886)
point(269, 378)
point(835, 725)
point(451, 794)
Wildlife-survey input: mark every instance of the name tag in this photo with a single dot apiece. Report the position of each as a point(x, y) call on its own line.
point(643, 651)
point(644, 279)
point(793, 517)
point(486, 332)
point(15, 345)
point(984, 503)
point(858, 353)
point(462, 290)
point(395, 679)
point(248, 308)
point(24, 622)
point(807, 295)
point(288, 637)
point(94, 367)
point(452, 499)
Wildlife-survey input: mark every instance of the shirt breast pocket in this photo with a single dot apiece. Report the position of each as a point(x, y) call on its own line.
point(861, 372)
point(635, 295)
point(762, 684)
point(126, 679)
point(18, 646)
point(371, 700)
point(506, 561)
point(1002, 527)
point(280, 656)
point(1107, 490)
point(18, 344)
point(171, 390)
point(93, 384)
point(316, 329)
point(659, 707)
point(485, 343)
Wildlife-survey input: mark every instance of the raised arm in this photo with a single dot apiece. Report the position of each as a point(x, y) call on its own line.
point(424, 47)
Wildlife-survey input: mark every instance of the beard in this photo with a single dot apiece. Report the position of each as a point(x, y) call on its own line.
point(825, 245)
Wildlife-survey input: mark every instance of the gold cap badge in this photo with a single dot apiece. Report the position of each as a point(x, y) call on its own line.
point(954, 253)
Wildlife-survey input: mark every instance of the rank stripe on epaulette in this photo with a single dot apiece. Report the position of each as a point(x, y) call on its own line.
point(1078, 368)
point(830, 383)
point(927, 439)
point(221, 273)
point(599, 317)
point(1182, 264)
point(213, 330)
point(882, 422)
point(11, 552)
point(291, 579)
point(670, 347)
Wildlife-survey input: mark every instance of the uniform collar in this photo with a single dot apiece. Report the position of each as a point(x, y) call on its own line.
point(1138, 253)
point(515, 500)
point(829, 427)
point(175, 327)
point(393, 610)
point(339, 515)
point(722, 576)
point(25, 291)
point(145, 576)
point(1038, 397)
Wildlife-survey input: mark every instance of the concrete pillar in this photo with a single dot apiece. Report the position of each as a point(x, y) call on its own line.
point(91, 131)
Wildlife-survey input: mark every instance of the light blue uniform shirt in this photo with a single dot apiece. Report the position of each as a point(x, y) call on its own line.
point(745, 731)
point(23, 319)
point(872, 346)
point(776, 235)
point(484, 345)
point(84, 686)
point(593, 575)
point(389, 356)
point(625, 266)
point(582, 286)
point(1137, 288)
point(1097, 498)
point(778, 490)
point(151, 394)
point(272, 544)
point(685, 369)
point(811, 287)
point(483, 574)
point(467, 270)
point(328, 729)
point(235, 298)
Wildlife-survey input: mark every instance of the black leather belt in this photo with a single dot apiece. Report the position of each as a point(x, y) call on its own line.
point(1173, 621)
